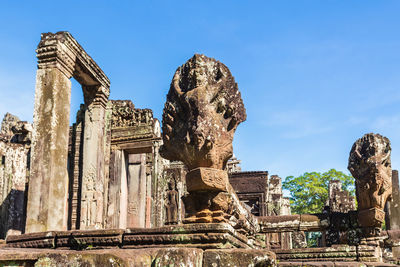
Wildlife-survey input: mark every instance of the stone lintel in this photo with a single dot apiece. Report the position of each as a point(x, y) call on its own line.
point(32, 240)
point(137, 147)
point(60, 50)
point(290, 223)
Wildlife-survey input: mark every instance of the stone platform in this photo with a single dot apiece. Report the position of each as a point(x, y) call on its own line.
point(158, 257)
point(136, 257)
point(204, 236)
point(180, 245)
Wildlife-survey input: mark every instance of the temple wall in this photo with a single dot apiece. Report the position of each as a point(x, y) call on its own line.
point(13, 178)
point(14, 172)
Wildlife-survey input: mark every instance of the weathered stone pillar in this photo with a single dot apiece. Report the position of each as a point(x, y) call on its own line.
point(117, 191)
point(123, 191)
point(393, 206)
point(48, 184)
point(92, 205)
point(15, 139)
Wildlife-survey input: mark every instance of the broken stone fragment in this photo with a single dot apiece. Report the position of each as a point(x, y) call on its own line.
point(8, 122)
point(16, 131)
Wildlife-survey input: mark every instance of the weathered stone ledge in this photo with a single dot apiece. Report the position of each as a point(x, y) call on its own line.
point(334, 264)
point(205, 236)
point(334, 253)
point(290, 223)
point(160, 257)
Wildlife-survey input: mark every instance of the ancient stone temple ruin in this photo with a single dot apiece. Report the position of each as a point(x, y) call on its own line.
point(15, 142)
point(117, 188)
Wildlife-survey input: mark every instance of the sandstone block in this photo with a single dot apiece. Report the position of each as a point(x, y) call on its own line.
point(205, 179)
point(239, 257)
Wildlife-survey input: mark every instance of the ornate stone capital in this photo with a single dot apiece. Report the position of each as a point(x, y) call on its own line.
point(60, 50)
point(96, 95)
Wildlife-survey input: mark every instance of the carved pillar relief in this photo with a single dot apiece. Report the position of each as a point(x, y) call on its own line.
point(93, 179)
point(174, 190)
point(137, 190)
point(75, 171)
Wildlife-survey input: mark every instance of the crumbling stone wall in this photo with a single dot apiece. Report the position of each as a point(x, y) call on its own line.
point(233, 165)
point(339, 200)
point(14, 172)
point(262, 194)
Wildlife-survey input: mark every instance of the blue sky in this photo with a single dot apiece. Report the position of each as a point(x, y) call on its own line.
point(314, 75)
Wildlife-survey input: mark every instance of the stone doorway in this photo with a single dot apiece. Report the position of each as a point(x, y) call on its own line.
point(61, 58)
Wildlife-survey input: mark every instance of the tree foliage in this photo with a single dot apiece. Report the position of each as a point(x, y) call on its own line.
point(309, 192)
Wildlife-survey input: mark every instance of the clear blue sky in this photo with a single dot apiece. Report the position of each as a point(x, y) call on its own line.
point(314, 75)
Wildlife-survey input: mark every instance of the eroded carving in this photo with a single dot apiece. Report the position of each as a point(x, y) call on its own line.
point(370, 164)
point(124, 114)
point(91, 200)
point(203, 109)
point(171, 203)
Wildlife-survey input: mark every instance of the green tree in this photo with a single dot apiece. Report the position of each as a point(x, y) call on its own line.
point(309, 192)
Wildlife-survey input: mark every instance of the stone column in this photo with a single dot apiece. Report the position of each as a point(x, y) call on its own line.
point(123, 191)
point(393, 206)
point(48, 184)
point(92, 206)
point(114, 208)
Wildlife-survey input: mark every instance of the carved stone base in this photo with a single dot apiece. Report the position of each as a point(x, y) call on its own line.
point(199, 235)
point(207, 179)
point(212, 199)
point(373, 217)
point(207, 207)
